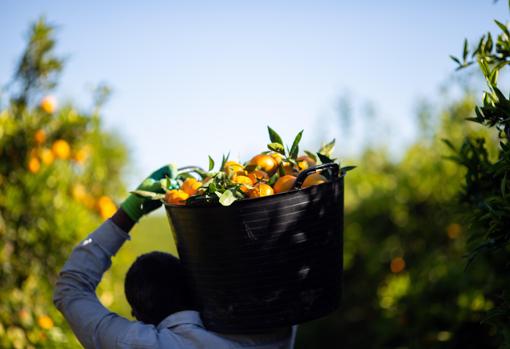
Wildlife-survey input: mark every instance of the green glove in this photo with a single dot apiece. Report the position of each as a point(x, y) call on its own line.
point(136, 206)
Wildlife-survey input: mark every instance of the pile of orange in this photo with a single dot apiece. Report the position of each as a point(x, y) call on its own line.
point(254, 177)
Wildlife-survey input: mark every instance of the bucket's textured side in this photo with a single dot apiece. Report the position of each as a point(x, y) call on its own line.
point(267, 262)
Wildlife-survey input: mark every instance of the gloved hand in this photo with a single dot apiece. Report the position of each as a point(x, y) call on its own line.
point(136, 206)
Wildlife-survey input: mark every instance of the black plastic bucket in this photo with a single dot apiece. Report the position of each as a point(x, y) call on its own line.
point(266, 262)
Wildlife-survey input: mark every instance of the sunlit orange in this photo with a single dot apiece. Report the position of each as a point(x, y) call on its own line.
point(397, 265)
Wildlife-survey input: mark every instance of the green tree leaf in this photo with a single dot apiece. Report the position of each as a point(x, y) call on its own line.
point(277, 147)
point(227, 198)
point(211, 163)
point(294, 150)
point(274, 136)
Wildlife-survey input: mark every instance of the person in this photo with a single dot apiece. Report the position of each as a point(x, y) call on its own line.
point(156, 287)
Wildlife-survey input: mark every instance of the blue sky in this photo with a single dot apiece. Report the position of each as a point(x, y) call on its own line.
point(200, 77)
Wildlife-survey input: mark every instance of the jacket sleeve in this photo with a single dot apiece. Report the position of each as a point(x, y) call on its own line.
point(74, 296)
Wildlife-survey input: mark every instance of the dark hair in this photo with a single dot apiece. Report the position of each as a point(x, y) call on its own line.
point(156, 286)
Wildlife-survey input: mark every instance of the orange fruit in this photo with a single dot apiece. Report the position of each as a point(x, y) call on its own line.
point(34, 165)
point(48, 104)
point(45, 322)
point(314, 179)
point(244, 181)
point(47, 156)
point(81, 155)
point(40, 136)
point(278, 157)
point(233, 168)
point(261, 189)
point(284, 183)
point(265, 162)
point(176, 197)
point(106, 207)
point(311, 162)
point(61, 149)
point(288, 168)
point(258, 176)
point(190, 186)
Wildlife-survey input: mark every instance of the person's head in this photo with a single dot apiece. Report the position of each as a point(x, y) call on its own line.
point(156, 286)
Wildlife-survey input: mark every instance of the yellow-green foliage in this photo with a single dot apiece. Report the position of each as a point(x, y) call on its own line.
point(59, 171)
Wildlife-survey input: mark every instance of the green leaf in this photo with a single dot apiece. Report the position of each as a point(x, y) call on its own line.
point(503, 185)
point(148, 194)
point(227, 198)
point(224, 160)
point(327, 149)
point(456, 60)
point(466, 50)
point(294, 150)
point(449, 144)
point(324, 159)
point(274, 178)
point(211, 163)
point(311, 155)
point(347, 168)
point(277, 147)
point(503, 27)
point(273, 136)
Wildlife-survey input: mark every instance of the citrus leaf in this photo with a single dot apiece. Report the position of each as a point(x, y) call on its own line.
point(148, 194)
point(211, 163)
point(224, 160)
point(294, 150)
point(273, 136)
point(347, 168)
point(277, 147)
point(324, 159)
point(311, 155)
point(227, 198)
point(327, 149)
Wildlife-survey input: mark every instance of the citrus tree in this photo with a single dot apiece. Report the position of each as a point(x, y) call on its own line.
point(59, 173)
point(404, 279)
point(486, 189)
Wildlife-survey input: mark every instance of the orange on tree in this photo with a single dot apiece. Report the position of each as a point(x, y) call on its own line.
point(61, 149)
point(81, 155)
point(176, 197)
point(34, 165)
point(106, 207)
point(45, 322)
point(245, 182)
point(261, 189)
point(284, 183)
point(258, 176)
point(40, 136)
point(47, 156)
point(233, 168)
point(48, 104)
point(190, 186)
point(314, 179)
point(264, 162)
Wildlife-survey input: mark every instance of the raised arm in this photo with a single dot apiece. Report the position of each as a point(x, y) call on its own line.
point(93, 324)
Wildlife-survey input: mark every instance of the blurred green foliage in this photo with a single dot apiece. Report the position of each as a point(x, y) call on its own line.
point(405, 284)
point(59, 170)
point(486, 191)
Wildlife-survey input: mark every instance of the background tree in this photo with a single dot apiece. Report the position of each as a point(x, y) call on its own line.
point(486, 190)
point(404, 281)
point(59, 170)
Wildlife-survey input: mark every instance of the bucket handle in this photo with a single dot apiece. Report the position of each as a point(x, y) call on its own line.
point(335, 169)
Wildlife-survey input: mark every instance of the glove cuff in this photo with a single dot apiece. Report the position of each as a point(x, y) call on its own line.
point(133, 207)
